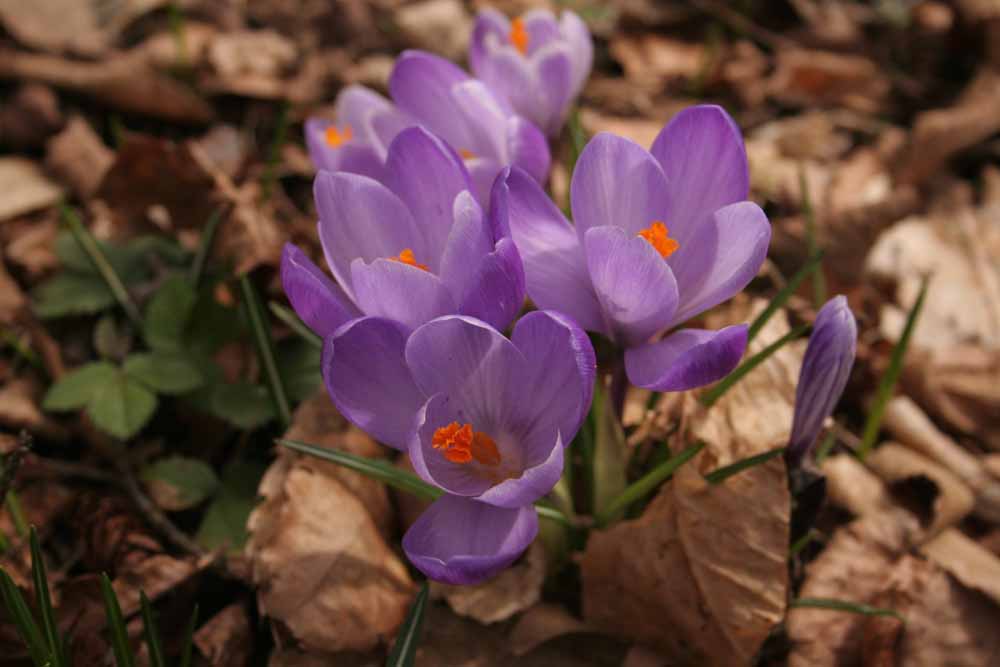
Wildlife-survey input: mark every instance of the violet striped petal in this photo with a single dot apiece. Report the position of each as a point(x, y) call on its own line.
point(316, 298)
point(686, 359)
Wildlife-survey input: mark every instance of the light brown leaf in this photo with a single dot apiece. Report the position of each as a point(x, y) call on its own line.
point(79, 157)
point(25, 187)
point(225, 639)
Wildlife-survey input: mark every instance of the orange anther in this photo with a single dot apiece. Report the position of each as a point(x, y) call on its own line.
point(656, 235)
point(407, 257)
point(335, 138)
point(460, 444)
point(519, 35)
point(466, 153)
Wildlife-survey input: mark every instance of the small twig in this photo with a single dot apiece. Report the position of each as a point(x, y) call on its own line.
point(41, 467)
point(155, 516)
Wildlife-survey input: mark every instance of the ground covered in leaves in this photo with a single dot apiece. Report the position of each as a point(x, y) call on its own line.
point(169, 135)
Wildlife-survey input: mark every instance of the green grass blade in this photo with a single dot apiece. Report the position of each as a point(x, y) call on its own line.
point(13, 504)
point(188, 648)
point(205, 246)
point(709, 398)
point(608, 476)
point(786, 292)
point(102, 265)
point(646, 484)
point(823, 451)
point(151, 633)
point(27, 628)
point(274, 152)
point(405, 648)
point(874, 422)
point(265, 351)
point(288, 316)
point(819, 280)
point(845, 605)
point(43, 598)
point(725, 472)
point(577, 139)
point(116, 625)
point(802, 542)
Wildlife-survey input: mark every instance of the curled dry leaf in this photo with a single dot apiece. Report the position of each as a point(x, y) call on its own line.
point(225, 640)
point(25, 186)
point(707, 561)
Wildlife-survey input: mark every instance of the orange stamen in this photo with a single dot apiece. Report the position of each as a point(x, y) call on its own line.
point(406, 257)
point(460, 444)
point(519, 36)
point(335, 138)
point(656, 235)
point(466, 153)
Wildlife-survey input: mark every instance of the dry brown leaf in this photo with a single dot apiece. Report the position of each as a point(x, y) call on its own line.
point(652, 61)
point(810, 78)
point(540, 624)
point(442, 26)
point(29, 242)
point(321, 567)
point(292, 657)
point(12, 299)
point(79, 157)
point(82, 27)
point(708, 561)
point(225, 639)
point(29, 116)
point(154, 575)
point(25, 187)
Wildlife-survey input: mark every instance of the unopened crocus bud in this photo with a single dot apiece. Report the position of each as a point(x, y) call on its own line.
point(824, 374)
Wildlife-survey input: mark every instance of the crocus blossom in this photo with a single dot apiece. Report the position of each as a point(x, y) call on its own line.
point(825, 369)
point(357, 139)
point(660, 236)
point(536, 63)
point(463, 111)
point(483, 417)
point(410, 249)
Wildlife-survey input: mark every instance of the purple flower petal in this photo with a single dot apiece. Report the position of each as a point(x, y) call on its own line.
point(461, 541)
point(496, 292)
point(721, 258)
point(361, 218)
point(556, 88)
point(537, 476)
point(686, 359)
point(542, 29)
point(367, 378)
point(398, 291)
point(635, 287)
point(528, 149)
point(825, 370)
point(577, 36)
point(319, 301)
point(482, 172)
point(485, 119)
point(427, 175)
point(421, 84)
point(491, 26)
point(510, 76)
point(702, 154)
point(352, 156)
point(554, 266)
point(355, 106)
point(469, 241)
point(617, 182)
point(559, 373)
point(460, 479)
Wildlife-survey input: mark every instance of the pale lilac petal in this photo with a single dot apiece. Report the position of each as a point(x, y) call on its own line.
point(491, 29)
point(483, 172)
point(635, 287)
point(485, 118)
point(536, 479)
point(421, 85)
point(495, 294)
point(554, 266)
point(469, 241)
point(400, 292)
point(510, 76)
point(528, 149)
point(385, 125)
point(461, 479)
point(317, 300)
point(686, 359)
point(352, 156)
point(721, 258)
point(702, 154)
point(581, 45)
point(355, 104)
point(542, 29)
point(470, 363)
point(367, 378)
point(462, 541)
point(617, 182)
point(427, 175)
point(825, 370)
point(361, 218)
point(555, 75)
point(558, 376)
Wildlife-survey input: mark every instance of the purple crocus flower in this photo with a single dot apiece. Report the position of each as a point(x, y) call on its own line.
point(464, 112)
point(482, 417)
point(536, 63)
point(358, 138)
point(410, 249)
point(660, 236)
point(825, 369)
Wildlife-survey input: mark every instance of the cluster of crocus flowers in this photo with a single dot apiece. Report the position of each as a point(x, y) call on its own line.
point(825, 369)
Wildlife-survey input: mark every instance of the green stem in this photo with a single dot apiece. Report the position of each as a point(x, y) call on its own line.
point(786, 292)
point(265, 351)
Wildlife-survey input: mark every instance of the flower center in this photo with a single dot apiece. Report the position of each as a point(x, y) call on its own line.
point(460, 444)
point(519, 36)
point(657, 236)
point(406, 257)
point(335, 137)
point(466, 153)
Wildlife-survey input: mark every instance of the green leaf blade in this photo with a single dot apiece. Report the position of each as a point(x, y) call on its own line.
point(116, 625)
point(122, 406)
point(404, 649)
point(165, 373)
point(77, 388)
point(189, 481)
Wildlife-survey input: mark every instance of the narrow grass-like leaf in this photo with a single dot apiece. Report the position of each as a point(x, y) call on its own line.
point(43, 599)
point(608, 478)
point(725, 472)
point(874, 422)
point(175, 17)
point(27, 628)
point(288, 316)
point(823, 451)
point(802, 543)
point(265, 351)
point(577, 139)
point(646, 484)
point(102, 265)
point(845, 605)
point(13, 504)
point(188, 647)
point(786, 292)
point(151, 633)
point(274, 153)
point(715, 393)
point(819, 280)
point(405, 648)
point(389, 474)
point(205, 246)
point(116, 625)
